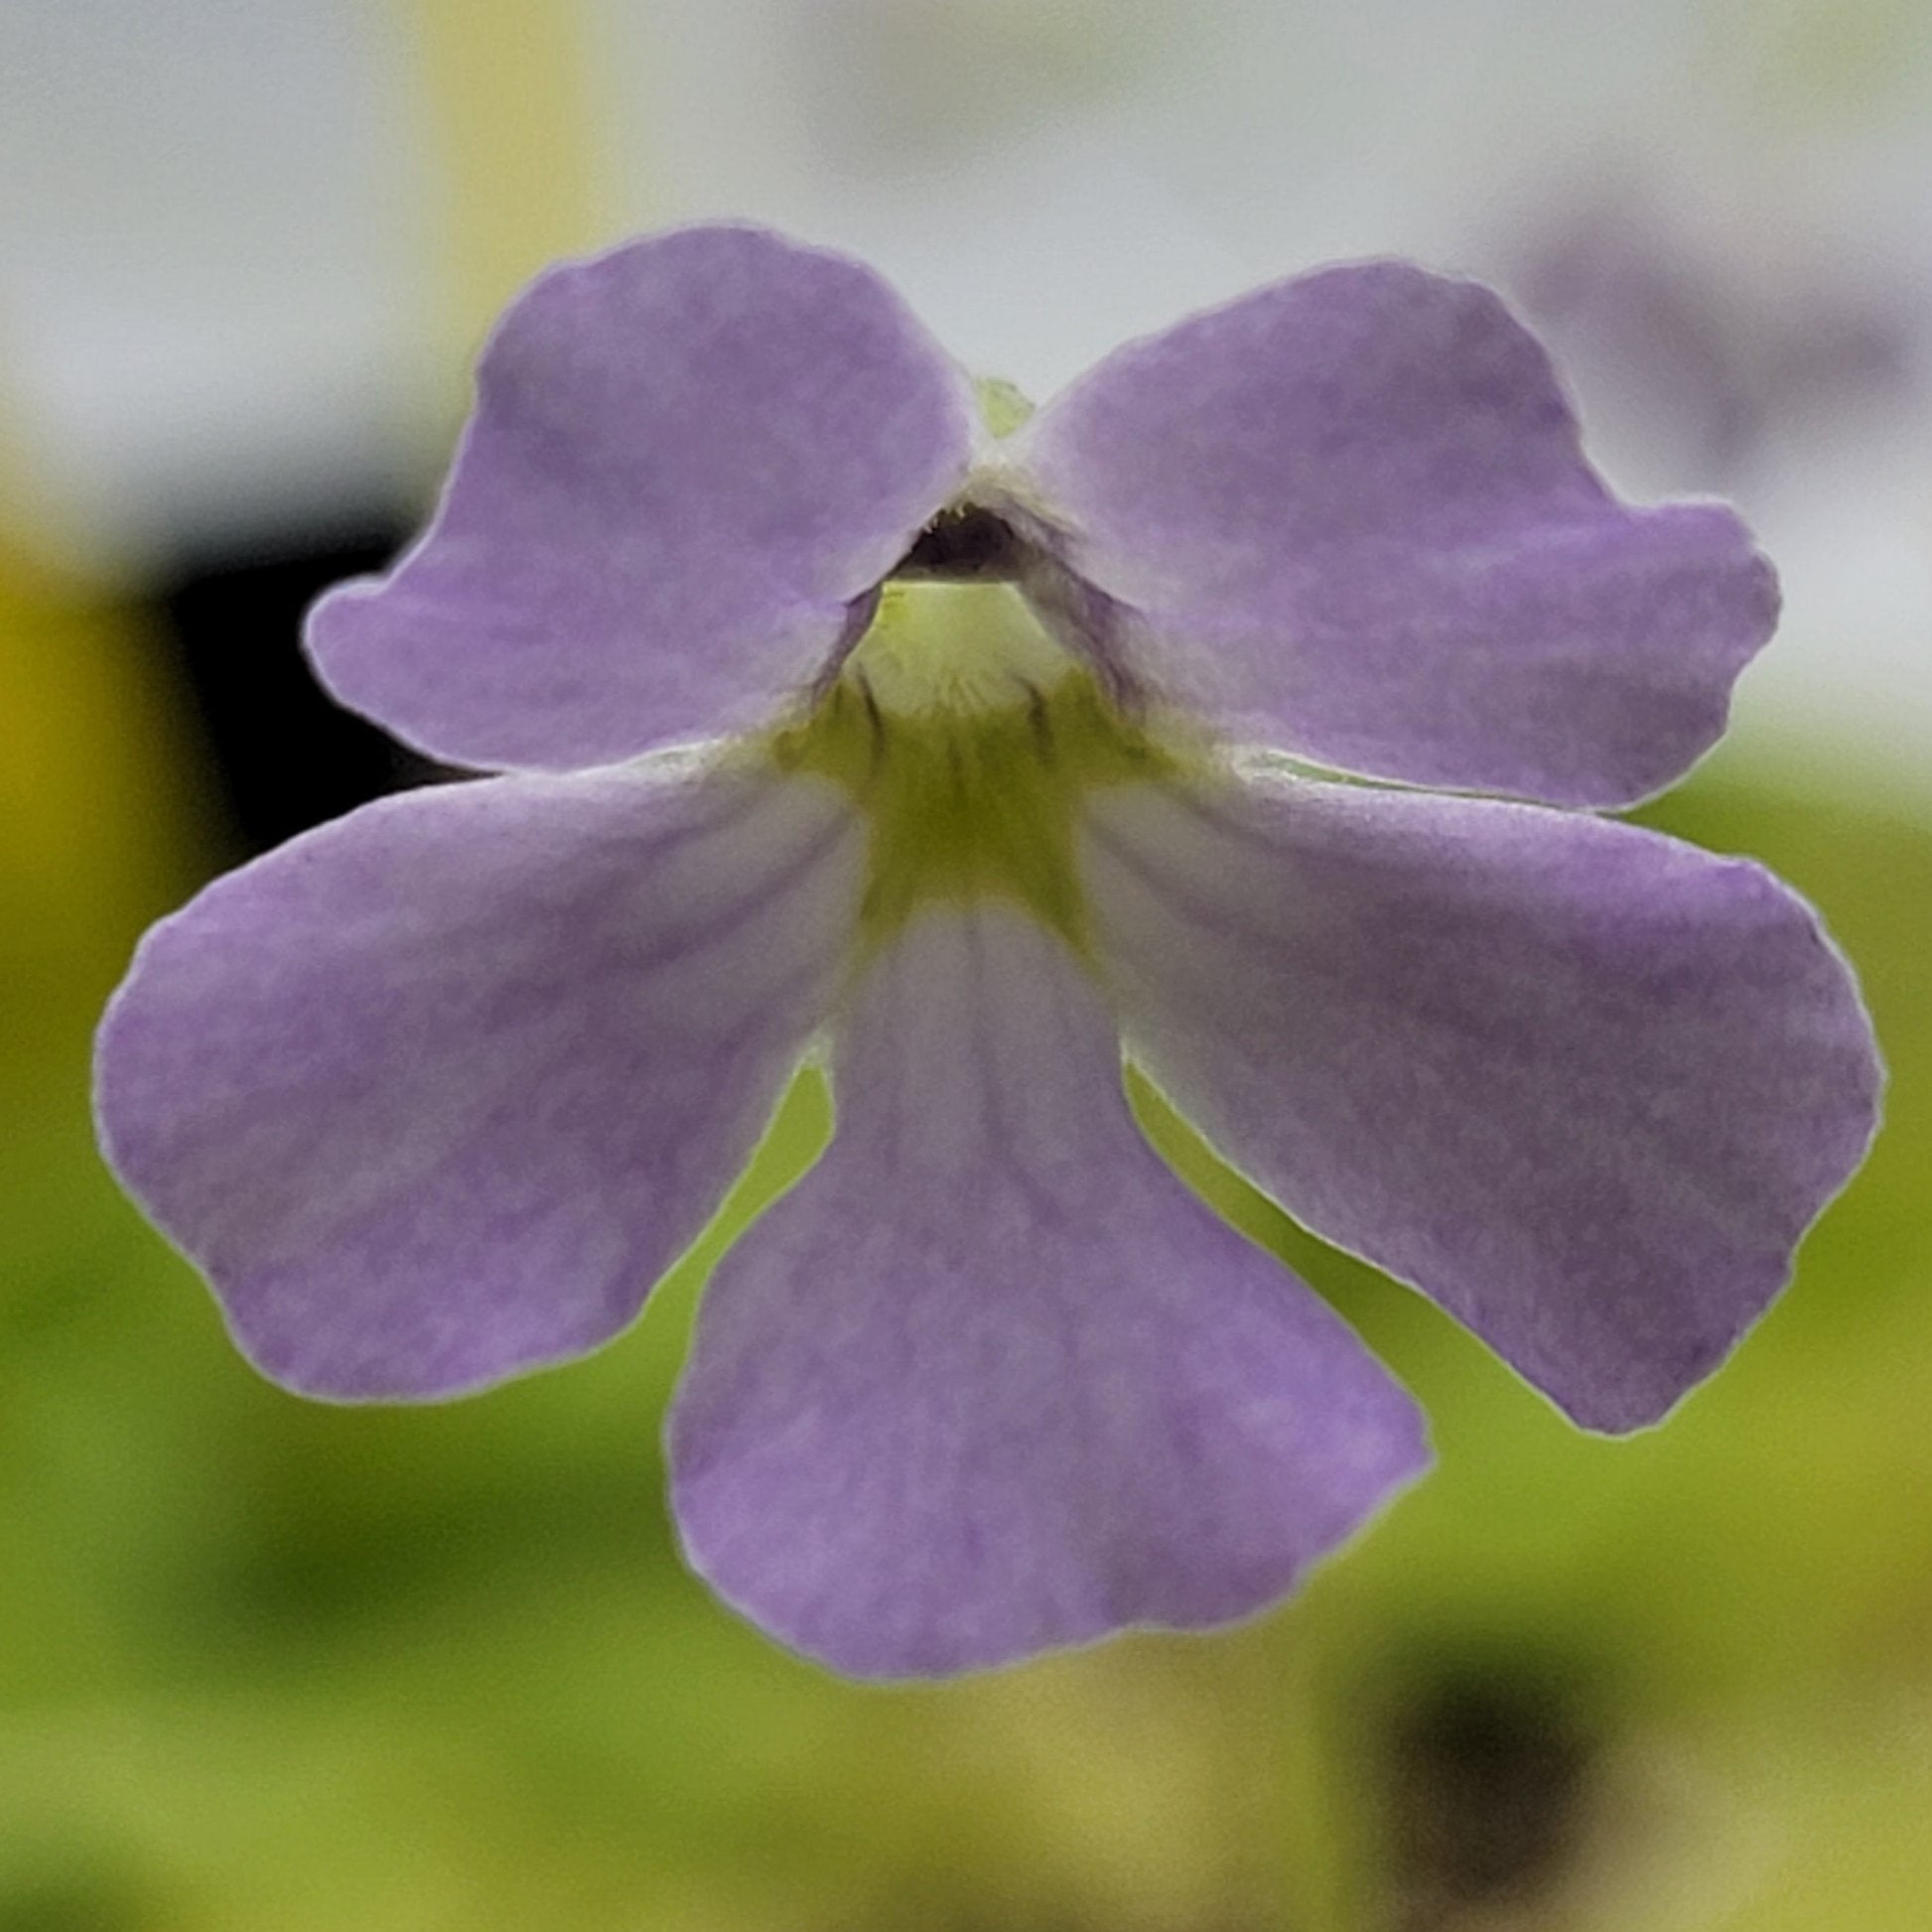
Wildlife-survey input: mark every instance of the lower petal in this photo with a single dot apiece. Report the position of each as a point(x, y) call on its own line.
point(1583, 1085)
point(989, 1379)
point(434, 1094)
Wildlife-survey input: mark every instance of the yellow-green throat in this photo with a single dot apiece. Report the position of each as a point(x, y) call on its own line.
point(968, 738)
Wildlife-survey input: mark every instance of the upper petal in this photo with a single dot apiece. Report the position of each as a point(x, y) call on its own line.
point(690, 458)
point(989, 1379)
point(1350, 512)
point(435, 1093)
point(1583, 1085)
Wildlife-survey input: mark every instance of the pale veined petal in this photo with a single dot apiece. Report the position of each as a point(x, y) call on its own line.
point(434, 1094)
point(1583, 1085)
point(989, 1379)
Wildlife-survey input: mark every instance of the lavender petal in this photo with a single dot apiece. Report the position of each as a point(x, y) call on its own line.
point(692, 459)
point(990, 1380)
point(1351, 514)
point(433, 1095)
point(1583, 1085)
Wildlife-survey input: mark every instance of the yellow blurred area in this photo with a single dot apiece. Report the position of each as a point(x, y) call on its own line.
point(511, 89)
point(92, 808)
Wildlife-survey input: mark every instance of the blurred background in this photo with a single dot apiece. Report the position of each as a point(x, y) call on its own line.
point(270, 1665)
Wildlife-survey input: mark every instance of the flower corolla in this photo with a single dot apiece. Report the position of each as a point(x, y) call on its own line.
point(840, 706)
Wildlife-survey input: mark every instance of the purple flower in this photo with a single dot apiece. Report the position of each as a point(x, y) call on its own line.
point(435, 1093)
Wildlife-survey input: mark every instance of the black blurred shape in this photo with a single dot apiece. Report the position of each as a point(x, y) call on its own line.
point(287, 757)
point(1488, 1768)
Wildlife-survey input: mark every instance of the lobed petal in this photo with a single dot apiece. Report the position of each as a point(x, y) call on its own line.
point(433, 1095)
point(989, 1379)
point(691, 460)
point(1581, 1084)
point(1351, 513)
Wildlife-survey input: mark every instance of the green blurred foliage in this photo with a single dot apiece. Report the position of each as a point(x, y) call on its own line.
point(270, 1664)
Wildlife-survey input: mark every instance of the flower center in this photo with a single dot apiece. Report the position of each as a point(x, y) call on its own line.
point(964, 544)
point(969, 738)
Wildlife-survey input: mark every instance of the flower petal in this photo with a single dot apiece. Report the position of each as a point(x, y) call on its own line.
point(691, 460)
point(1581, 1084)
point(435, 1093)
point(1351, 512)
point(989, 1379)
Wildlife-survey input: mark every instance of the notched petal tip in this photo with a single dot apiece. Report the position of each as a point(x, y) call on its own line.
point(870, 1653)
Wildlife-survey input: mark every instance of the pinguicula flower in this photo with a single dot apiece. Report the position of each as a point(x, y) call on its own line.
point(839, 706)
